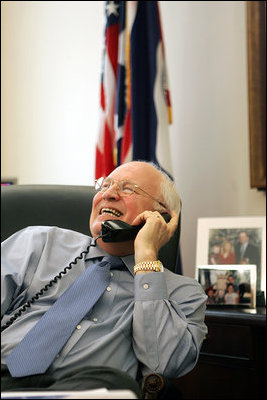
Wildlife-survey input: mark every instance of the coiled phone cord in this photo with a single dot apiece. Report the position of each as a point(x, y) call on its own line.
point(47, 286)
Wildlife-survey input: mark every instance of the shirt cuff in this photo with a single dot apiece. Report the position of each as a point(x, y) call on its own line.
point(150, 286)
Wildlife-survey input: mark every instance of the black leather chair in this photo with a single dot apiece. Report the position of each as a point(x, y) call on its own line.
point(69, 207)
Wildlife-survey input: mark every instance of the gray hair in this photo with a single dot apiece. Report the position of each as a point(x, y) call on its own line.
point(168, 191)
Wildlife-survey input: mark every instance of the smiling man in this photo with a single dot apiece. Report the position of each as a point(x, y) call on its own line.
point(120, 197)
point(147, 318)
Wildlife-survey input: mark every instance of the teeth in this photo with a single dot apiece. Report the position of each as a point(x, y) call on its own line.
point(110, 211)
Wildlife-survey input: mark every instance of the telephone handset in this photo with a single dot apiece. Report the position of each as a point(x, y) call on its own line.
point(115, 230)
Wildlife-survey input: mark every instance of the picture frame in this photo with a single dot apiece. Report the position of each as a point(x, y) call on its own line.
point(213, 235)
point(256, 57)
point(228, 285)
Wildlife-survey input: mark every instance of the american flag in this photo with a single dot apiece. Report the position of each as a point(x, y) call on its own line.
point(135, 99)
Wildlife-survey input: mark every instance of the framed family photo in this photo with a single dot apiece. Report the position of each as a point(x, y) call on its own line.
point(228, 285)
point(233, 241)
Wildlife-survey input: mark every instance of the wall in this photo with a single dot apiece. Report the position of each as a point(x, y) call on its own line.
point(207, 64)
point(51, 61)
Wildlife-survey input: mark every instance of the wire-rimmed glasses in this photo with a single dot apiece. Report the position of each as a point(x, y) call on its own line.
point(124, 188)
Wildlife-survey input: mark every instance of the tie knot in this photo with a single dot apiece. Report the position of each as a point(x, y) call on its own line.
point(115, 262)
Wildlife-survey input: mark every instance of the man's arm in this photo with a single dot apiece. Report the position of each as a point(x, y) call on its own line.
point(16, 260)
point(169, 312)
point(168, 322)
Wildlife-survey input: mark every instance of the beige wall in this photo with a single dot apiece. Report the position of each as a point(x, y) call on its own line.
point(51, 61)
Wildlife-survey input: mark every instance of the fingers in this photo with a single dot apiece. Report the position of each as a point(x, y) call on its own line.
point(154, 216)
point(154, 234)
point(173, 223)
point(147, 216)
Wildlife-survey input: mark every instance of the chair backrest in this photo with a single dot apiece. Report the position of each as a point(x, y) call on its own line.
point(65, 206)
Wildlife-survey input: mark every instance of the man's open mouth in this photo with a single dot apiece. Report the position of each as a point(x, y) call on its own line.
point(110, 211)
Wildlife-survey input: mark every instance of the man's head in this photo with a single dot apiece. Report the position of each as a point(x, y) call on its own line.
point(153, 191)
point(231, 279)
point(243, 237)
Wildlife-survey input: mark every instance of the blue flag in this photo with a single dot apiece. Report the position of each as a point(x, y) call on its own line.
point(135, 97)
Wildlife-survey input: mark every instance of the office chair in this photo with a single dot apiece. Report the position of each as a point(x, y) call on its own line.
point(69, 207)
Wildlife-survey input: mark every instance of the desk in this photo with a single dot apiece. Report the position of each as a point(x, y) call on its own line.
point(232, 358)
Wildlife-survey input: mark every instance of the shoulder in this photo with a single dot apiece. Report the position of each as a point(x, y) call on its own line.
point(42, 247)
point(252, 246)
point(39, 235)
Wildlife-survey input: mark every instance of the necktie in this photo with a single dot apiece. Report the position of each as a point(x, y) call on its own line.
point(242, 250)
point(37, 350)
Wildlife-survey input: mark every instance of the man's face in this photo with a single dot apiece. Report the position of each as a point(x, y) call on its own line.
point(243, 237)
point(110, 205)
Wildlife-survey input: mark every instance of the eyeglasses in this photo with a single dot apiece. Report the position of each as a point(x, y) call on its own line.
point(124, 188)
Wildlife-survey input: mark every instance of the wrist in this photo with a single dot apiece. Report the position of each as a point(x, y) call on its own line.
point(148, 266)
point(145, 256)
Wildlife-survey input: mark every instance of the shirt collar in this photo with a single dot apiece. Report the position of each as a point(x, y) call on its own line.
point(96, 251)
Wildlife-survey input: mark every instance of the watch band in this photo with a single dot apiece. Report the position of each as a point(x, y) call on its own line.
point(150, 266)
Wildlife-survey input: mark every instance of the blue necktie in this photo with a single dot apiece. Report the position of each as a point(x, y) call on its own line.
point(37, 350)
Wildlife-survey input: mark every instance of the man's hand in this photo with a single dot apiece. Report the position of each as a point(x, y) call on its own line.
point(154, 234)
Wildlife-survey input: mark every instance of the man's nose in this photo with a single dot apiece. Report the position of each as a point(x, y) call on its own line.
point(112, 192)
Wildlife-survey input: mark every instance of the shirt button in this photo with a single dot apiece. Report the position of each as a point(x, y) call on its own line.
point(78, 327)
point(111, 274)
point(108, 288)
point(146, 286)
point(95, 319)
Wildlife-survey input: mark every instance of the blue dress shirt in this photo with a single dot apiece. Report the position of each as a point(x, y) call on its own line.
point(155, 320)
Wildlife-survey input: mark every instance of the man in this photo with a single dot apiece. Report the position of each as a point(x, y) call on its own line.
point(146, 320)
point(247, 253)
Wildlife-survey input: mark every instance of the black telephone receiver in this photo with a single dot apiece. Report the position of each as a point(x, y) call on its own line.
point(115, 230)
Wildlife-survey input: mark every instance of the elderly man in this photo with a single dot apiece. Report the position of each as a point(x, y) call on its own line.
point(146, 319)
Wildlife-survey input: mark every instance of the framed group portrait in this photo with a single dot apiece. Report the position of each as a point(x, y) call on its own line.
point(225, 242)
point(228, 285)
